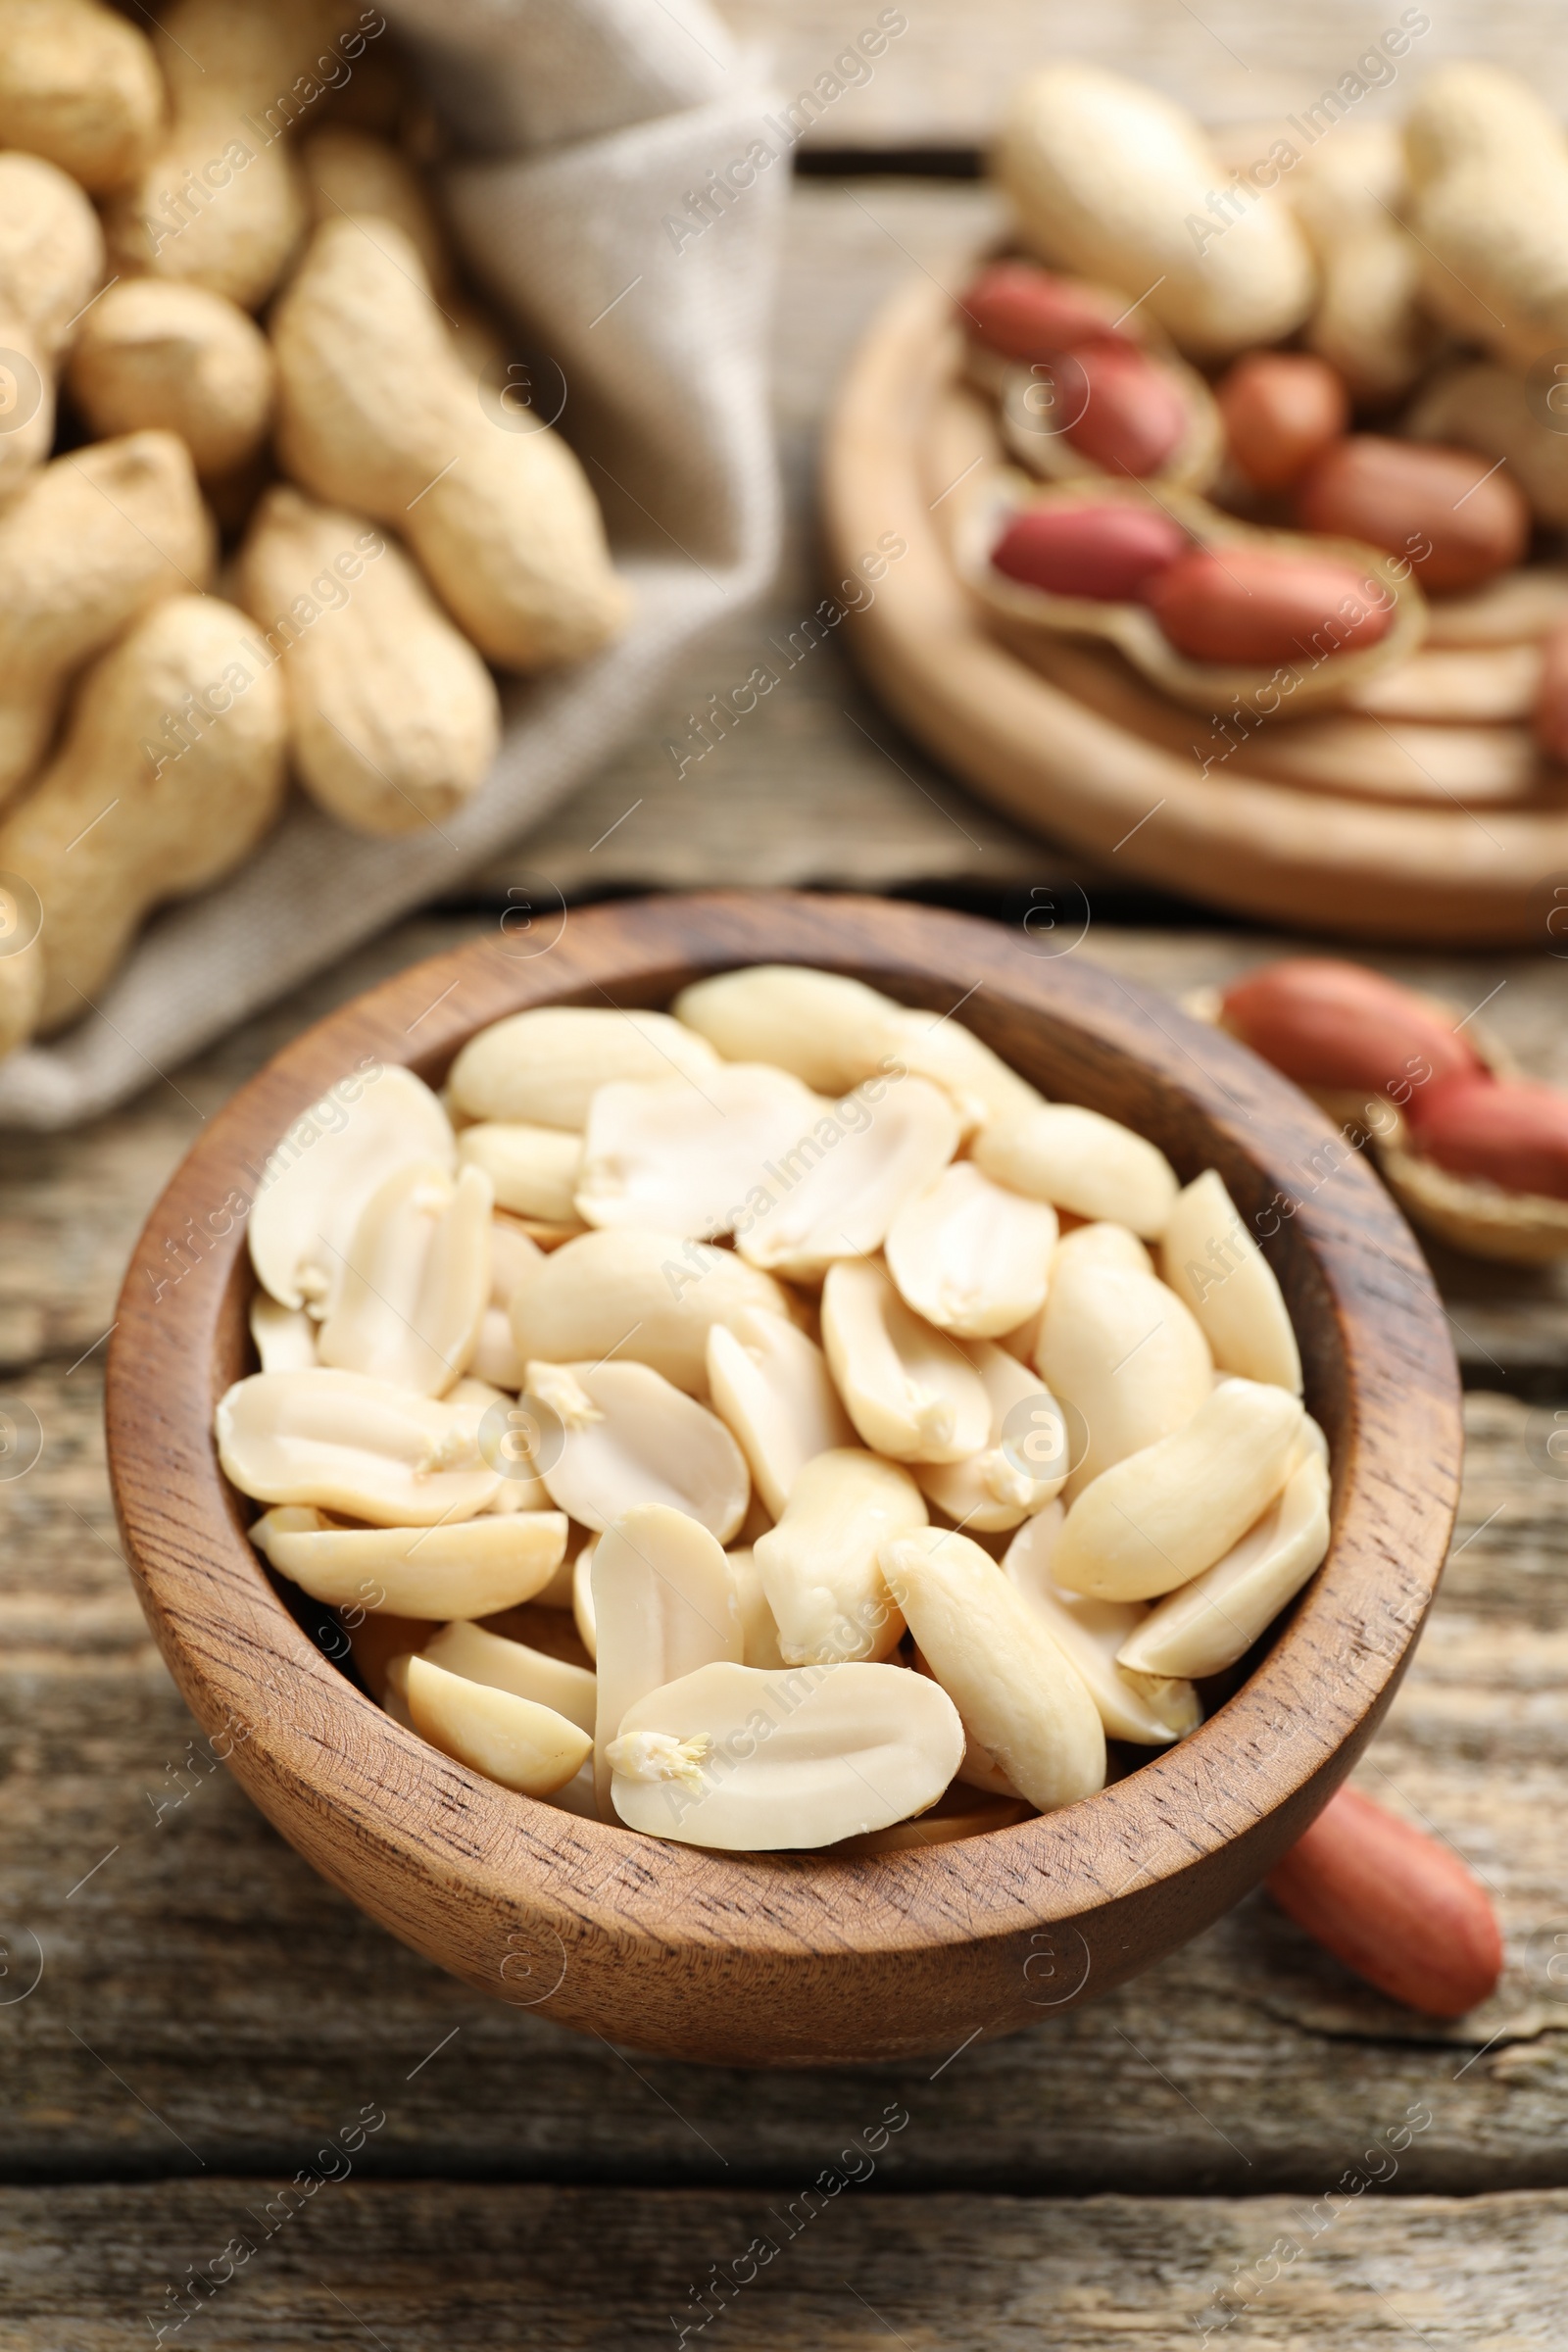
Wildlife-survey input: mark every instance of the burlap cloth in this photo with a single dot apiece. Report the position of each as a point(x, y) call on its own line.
point(584, 123)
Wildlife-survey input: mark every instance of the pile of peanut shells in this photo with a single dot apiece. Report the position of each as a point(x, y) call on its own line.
point(891, 1437)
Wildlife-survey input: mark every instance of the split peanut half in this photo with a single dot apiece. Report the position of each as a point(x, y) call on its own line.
point(319, 1178)
point(819, 1565)
point(1162, 1516)
point(1148, 1710)
point(510, 1739)
point(663, 1605)
point(626, 1436)
point(733, 1757)
point(471, 1568)
point(1015, 1690)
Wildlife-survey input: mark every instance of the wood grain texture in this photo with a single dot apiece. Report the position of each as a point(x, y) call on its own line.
point(794, 1960)
point(944, 82)
point(204, 1982)
point(415, 2265)
point(903, 440)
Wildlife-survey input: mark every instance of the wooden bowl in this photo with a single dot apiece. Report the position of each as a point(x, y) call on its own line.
point(1090, 755)
point(796, 1960)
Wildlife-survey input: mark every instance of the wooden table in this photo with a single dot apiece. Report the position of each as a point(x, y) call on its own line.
point(1245, 2141)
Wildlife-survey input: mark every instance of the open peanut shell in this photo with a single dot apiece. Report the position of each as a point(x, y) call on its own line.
point(1521, 1229)
point(1046, 449)
point(1022, 612)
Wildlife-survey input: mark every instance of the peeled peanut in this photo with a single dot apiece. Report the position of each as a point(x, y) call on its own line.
point(1109, 551)
point(1281, 409)
point(1459, 523)
point(1162, 1516)
point(515, 1740)
point(970, 1255)
point(1079, 1159)
point(1014, 1688)
point(165, 821)
point(1336, 1025)
point(1148, 1710)
point(153, 353)
point(1255, 605)
point(1103, 1243)
point(394, 720)
point(1123, 1352)
point(376, 413)
point(1509, 1132)
point(352, 1445)
point(284, 1336)
point(51, 264)
point(467, 1568)
point(1216, 1266)
point(480, 1656)
point(532, 1170)
point(771, 1385)
point(663, 1604)
point(735, 1758)
point(650, 1297)
point(1206, 1625)
point(415, 1281)
point(836, 1033)
point(1023, 1462)
point(1114, 181)
point(514, 1259)
point(544, 1067)
point(80, 87)
point(628, 1437)
point(834, 1194)
point(758, 1625)
point(87, 544)
point(823, 1027)
point(324, 1170)
point(689, 1154)
point(818, 1566)
point(910, 1389)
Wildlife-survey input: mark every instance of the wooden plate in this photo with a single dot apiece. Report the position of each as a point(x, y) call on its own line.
point(1312, 847)
point(795, 1960)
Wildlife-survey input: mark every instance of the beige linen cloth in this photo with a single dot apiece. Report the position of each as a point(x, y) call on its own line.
point(583, 124)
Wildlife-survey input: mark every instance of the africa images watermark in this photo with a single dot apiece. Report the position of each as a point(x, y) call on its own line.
point(720, 189)
point(1336, 629)
point(852, 1114)
point(186, 1251)
point(182, 205)
point(854, 594)
point(189, 720)
point(1374, 70)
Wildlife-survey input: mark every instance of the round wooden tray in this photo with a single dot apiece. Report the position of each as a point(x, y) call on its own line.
point(795, 1959)
point(906, 436)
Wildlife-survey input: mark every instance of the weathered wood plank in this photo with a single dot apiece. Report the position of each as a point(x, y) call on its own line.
point(410, 2267)
point(206, 2001)
point(246, 2005)
point(815, 785)
point(72, 1206)
point(944, 82)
